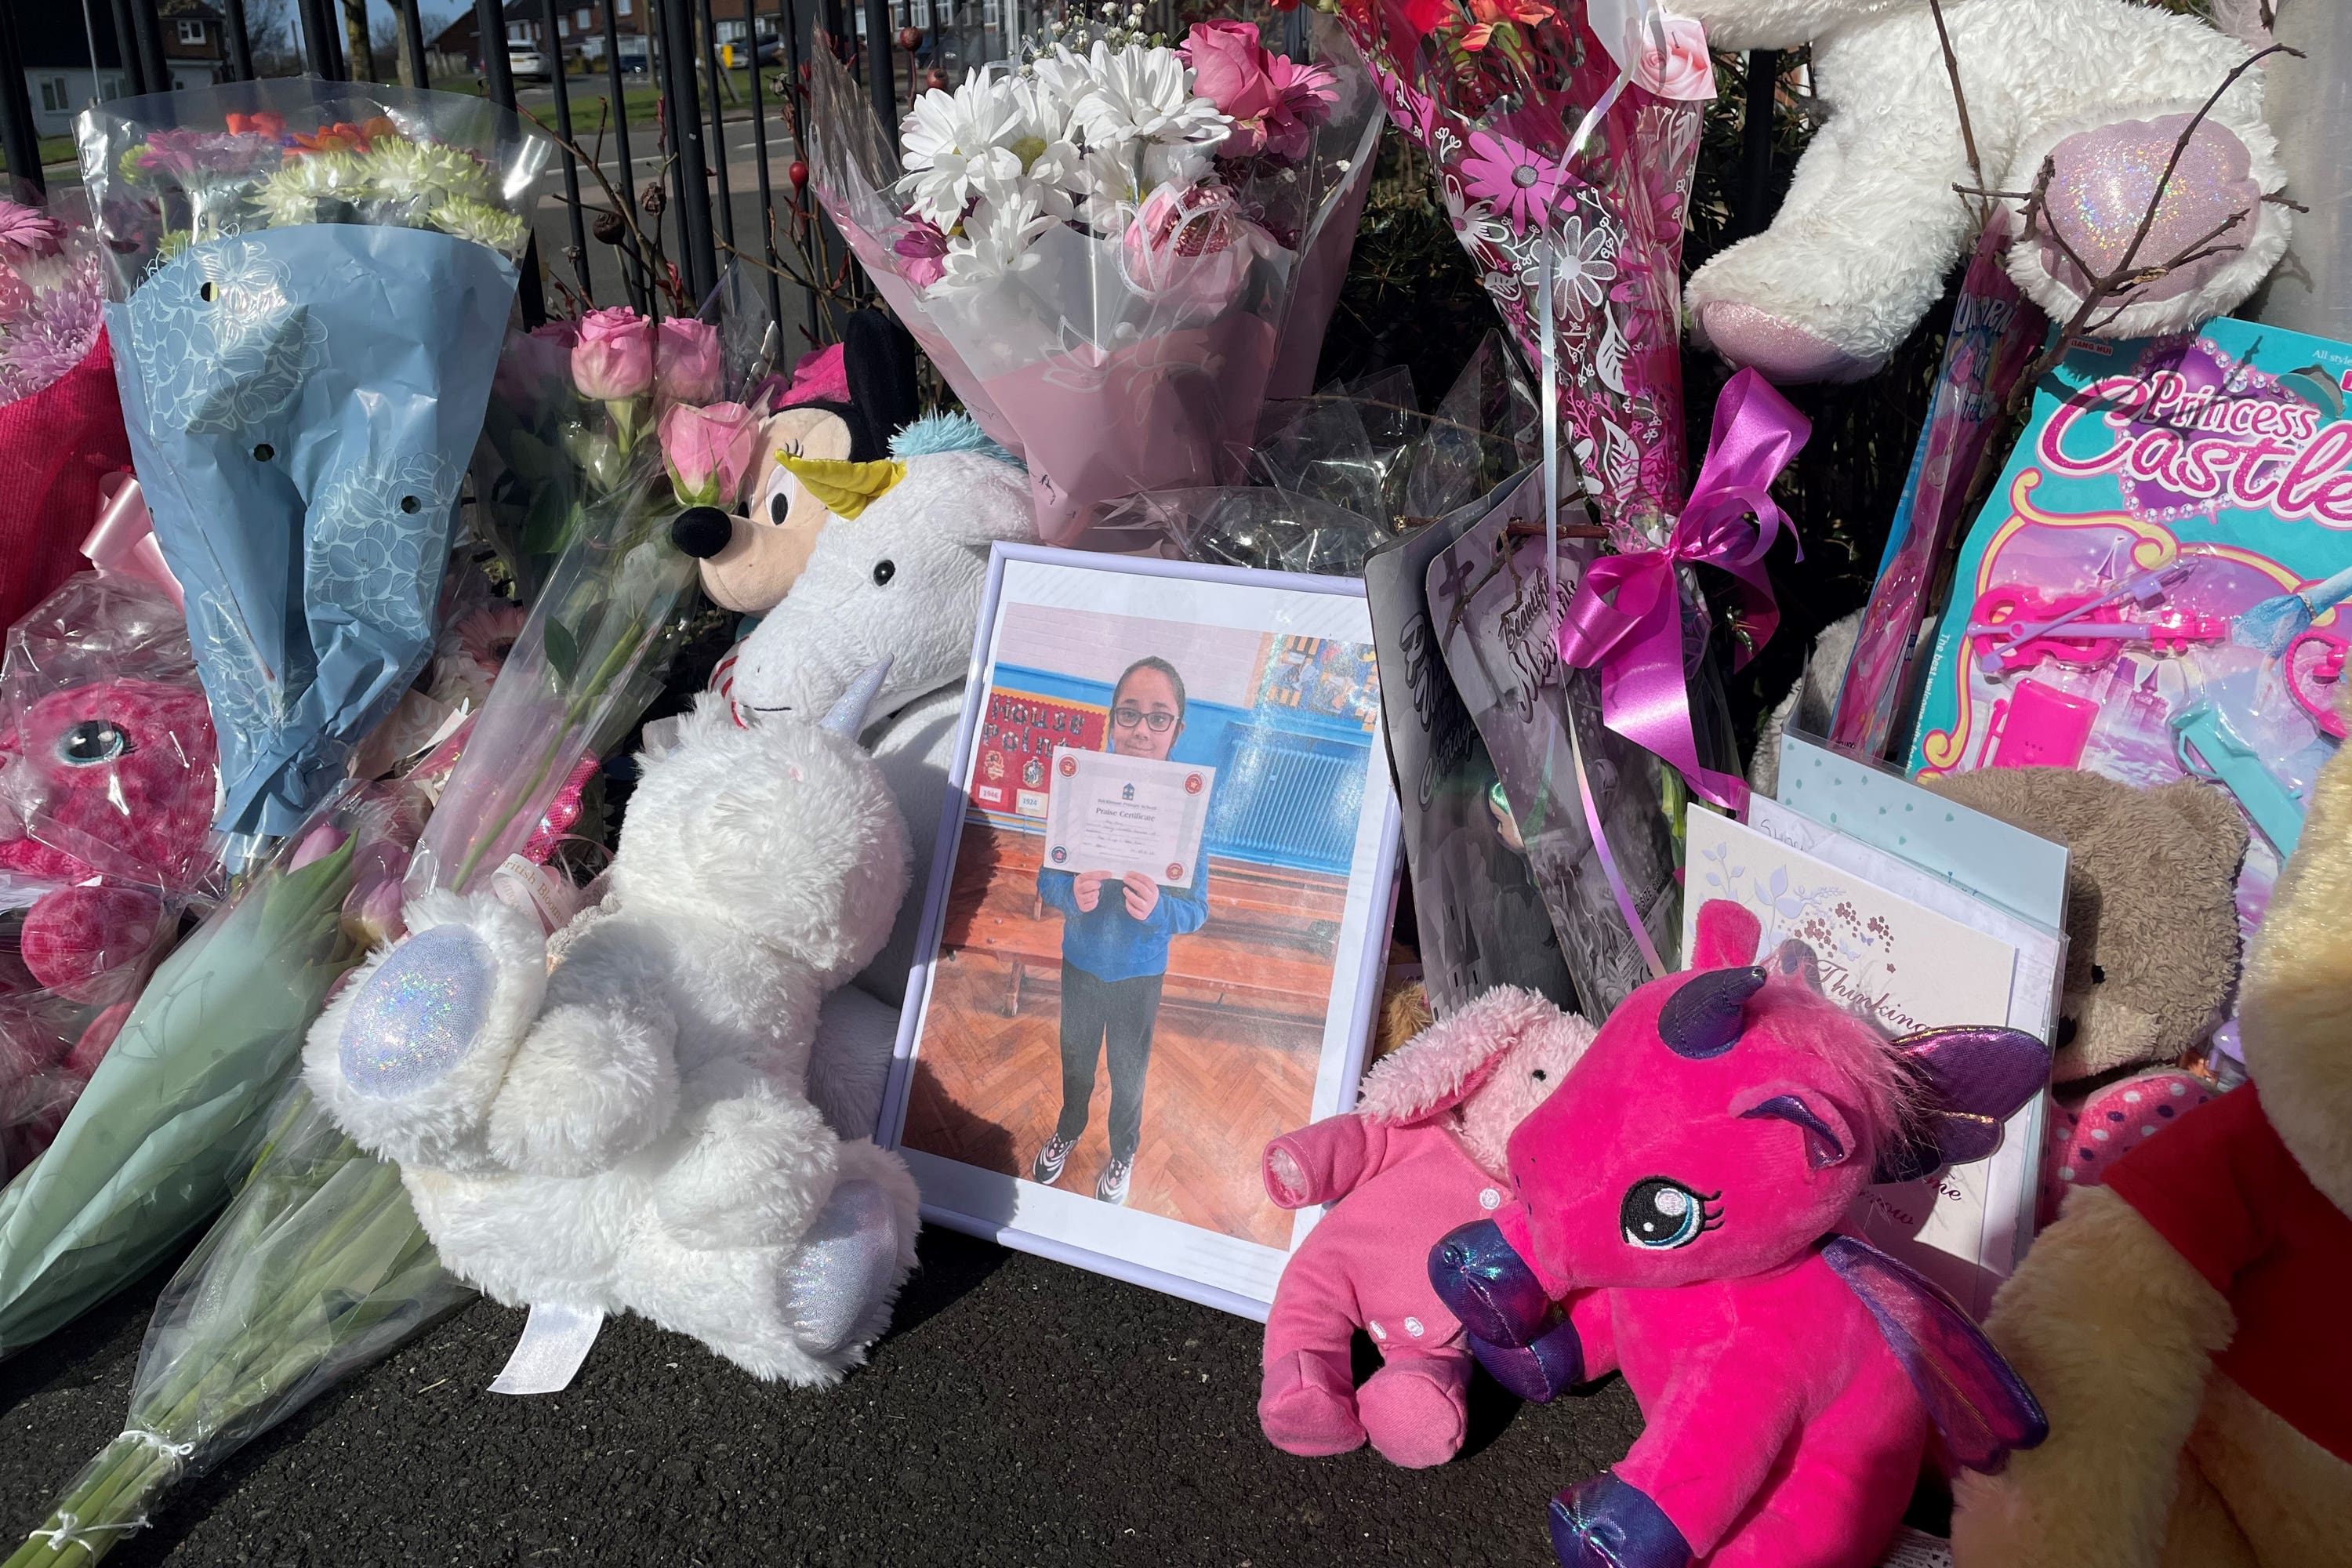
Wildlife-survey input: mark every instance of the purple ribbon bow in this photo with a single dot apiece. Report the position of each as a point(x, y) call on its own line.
point(1626, 618)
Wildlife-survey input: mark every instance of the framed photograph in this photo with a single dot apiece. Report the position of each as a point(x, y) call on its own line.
point(1156, 919)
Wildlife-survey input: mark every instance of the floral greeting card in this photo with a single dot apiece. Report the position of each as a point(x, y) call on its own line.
point(1910, 967)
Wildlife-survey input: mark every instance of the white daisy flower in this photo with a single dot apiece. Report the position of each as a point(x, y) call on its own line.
point(957, 145)
point(995, 241)
point(1142, 94)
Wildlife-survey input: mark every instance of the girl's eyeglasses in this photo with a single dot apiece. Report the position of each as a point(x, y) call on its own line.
point(1128, 718)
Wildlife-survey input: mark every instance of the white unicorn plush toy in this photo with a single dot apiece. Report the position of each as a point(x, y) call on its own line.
point(897, 573)
point(634, 1131)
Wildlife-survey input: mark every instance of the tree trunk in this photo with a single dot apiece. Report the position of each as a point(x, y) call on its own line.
point(359, 52)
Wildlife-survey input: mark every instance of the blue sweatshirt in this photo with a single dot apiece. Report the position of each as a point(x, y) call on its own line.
point(1110, 944)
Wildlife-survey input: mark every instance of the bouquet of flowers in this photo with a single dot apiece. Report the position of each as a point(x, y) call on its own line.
point(60, 418)
point(319, 1267)
point(169, 1116)
point(1100, 248)
point(1565, 136)
point(312, 284)
point(570, 408)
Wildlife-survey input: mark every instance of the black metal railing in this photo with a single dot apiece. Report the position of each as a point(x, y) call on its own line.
point(683, 230)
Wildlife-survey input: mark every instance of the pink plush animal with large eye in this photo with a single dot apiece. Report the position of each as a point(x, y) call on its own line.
point(1671, 1218)
point(110, 792)
point(1423, 1151)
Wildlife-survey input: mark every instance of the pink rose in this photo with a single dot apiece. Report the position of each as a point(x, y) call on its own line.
point(707, 451)
point(613, 360)
point(1190, 247)
point(534, 363)
point(1674, 61)
point(685, 360)
point(1229, 70)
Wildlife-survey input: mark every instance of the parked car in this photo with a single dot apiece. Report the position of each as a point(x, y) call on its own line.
point(636, 54)
point(527, 64)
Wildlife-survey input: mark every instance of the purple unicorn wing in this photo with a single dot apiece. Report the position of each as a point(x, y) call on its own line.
point(1974, 1396)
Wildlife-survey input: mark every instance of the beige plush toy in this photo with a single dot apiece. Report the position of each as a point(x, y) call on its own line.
point(2152, 914)
point(2183, 1324)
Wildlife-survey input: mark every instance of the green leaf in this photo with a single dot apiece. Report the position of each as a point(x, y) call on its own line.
point(562, 650)
point(548, 524)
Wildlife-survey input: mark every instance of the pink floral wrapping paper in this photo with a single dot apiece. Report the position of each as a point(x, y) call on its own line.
point(1494, 91)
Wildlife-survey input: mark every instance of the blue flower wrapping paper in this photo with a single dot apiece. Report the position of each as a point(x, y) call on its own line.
point(301, 403)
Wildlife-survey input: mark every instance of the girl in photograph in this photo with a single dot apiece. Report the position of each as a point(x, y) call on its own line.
point(1115, 933)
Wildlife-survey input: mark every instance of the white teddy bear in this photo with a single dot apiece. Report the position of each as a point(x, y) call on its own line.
point(634, 1131)
point(1872, 225)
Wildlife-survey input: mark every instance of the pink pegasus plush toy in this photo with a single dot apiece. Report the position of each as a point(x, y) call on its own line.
point(1674, 1208)
point(1421, 1152)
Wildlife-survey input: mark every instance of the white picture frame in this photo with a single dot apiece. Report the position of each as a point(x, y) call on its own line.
point(1301, 863)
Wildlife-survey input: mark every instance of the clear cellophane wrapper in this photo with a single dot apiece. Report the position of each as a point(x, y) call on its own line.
point(1101, 387)
point(107, 781)
point(1340, 474)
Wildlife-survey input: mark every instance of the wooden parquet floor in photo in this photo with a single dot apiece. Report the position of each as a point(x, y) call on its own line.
point(988, 1089)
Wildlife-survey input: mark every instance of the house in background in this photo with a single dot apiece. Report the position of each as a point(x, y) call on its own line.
point(57, 39)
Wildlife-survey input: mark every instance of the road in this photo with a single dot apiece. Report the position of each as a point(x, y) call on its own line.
point(552, 216)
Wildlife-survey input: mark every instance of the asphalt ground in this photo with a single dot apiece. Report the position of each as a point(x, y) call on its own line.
point(1020, 1412)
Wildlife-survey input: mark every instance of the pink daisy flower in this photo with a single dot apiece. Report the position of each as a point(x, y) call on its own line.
point(1513, 179)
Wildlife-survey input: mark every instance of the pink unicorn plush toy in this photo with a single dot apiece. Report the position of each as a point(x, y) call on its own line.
point(1672, 1220)
point(1421, 1152)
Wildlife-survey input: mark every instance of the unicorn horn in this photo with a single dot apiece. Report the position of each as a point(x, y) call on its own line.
point(843, 488)
point(847, 716)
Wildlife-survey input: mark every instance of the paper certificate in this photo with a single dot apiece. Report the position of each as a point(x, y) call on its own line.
point(1109, 813)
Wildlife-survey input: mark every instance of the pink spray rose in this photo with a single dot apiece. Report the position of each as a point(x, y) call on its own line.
point(707, 451)
point(613, 360)
point(1190, 247)
point(1229, 70)
point(536, 361)
point(687, 367)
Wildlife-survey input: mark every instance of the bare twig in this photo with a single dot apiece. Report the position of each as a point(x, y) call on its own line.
point(623, 203)
point(1960, 102)
point(2107, 295)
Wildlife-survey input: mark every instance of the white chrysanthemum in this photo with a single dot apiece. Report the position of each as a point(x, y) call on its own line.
point(1061, 77)
point(481, 223)
point(958, 145)
point(995, 240)
point(292, 193)
point(1052, 164)
point(1141, 94)
point(402, 170)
